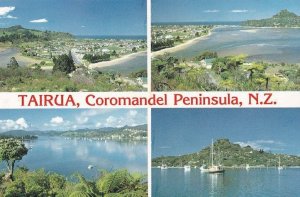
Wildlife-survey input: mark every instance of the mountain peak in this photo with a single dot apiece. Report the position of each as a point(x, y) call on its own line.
point(285, 13)
point(16, 27)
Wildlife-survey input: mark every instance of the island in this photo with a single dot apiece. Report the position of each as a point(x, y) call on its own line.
point(230, 155)
point(284, 18)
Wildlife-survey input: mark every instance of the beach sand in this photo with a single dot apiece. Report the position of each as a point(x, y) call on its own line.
point(116, 61)
point(180, 46)
point(28, 60)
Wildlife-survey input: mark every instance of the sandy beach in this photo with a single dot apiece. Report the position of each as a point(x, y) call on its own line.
point(116, 61)
point(28, 60)
point(180, 46)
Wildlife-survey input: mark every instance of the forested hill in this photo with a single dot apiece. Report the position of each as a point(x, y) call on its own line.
point(138, 132)
point(229, 155)
point(282, 19)
point(20, 34)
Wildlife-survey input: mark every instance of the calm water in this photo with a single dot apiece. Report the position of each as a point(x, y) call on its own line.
point(7, 54)
point(240, 183)
point(69, 156)
point(137, 63)
point(269, 44)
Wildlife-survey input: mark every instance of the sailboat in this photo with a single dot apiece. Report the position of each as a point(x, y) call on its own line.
point(214, 168)
point(279, 166)
point(163, 166)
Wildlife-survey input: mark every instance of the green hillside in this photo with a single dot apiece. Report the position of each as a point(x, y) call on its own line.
point(18, 33)
point(229, 155)
point(282, 19)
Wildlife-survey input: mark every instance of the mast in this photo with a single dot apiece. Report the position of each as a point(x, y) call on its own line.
point(212, 152)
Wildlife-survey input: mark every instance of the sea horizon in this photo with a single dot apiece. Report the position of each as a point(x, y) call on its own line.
point(118, 37)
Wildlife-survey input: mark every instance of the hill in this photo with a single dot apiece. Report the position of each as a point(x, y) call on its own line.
point(19, 133)
point(229, 155)
point(18, 33)
point(282, 19)
point(124, 133)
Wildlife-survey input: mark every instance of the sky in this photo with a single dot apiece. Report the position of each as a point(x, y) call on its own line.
point(69, 119)
point(79, 17)
point(218, 10)
point(182, 131)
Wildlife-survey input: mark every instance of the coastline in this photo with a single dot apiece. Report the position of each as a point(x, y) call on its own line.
point(180, 46)
point(116, 61)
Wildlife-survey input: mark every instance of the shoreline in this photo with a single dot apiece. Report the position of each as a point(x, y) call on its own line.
point(117, 61)
point(180, 46)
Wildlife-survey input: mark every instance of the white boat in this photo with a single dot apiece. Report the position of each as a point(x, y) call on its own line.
point(90, 167)
point(214, 168)
point(163, 167)
point(187, 168)
point(247, 167)
point(203, 168)
point(279, 166)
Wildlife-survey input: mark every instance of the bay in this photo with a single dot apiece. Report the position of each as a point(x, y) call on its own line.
point(68, 156)
point(267, 44)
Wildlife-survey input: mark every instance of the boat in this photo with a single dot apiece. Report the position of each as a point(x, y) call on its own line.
point(187, 168)
point(279, 166)
point(90, 167)
point(247, 167)
point(214, 168)
point(204, 168)
point(163, 167)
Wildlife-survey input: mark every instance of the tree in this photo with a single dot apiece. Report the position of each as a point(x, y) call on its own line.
point(11, 150)
point(13, 63)
point(134, 49)
point(63, 63)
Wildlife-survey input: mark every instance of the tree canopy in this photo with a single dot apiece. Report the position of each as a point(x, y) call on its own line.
point(11, 150)
point(63, 63)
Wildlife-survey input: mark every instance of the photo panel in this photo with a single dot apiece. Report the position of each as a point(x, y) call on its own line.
point(67, 152)
point(225, 152)
point(220, 45)
point(72, 46)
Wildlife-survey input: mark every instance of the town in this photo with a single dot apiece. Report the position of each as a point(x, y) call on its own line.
point(79, 47)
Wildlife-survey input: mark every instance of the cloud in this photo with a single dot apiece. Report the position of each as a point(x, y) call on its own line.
point(132, 113)
point(5, 10)
point(211, 11)
point(239, 11)
point(6, 125)
point(42, 20)
point(84, 116)
point(57, 120)
point(266, 145)
point(11, 17)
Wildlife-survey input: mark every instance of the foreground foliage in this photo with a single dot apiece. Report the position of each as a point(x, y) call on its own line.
point(41, 183)
point(34, 79)
point(231, 73)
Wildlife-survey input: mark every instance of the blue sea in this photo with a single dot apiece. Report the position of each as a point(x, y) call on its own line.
point(233, 183)
point(117, 37)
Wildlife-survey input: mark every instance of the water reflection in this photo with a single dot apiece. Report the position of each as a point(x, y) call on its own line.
point(73, 155)
point(216, 183)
